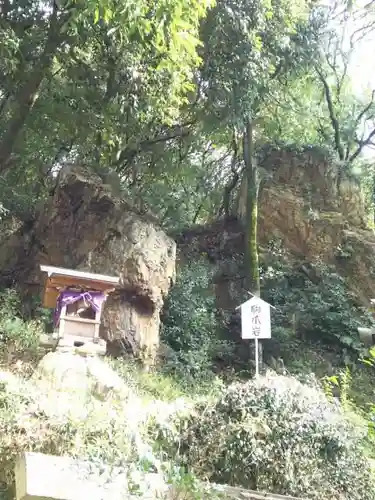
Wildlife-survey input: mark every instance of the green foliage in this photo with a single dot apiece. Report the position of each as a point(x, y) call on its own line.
point(115, 433)
point(159, 93)
point(190, 324)
point(16, 334)
point(247, 43)
point(365, 172)
point(161, 385)
point(276, 434)
point(189, 191)
point(95, 80)
point(341, 383)
point(369, 360)
point(319, 299)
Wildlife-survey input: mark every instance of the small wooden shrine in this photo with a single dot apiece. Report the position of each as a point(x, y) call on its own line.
point(78, 299)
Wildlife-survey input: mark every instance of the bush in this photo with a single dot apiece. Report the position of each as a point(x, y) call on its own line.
point(278, 435)
point(36, 417)
point(190, 324)
point(43, 415)
point(16, 334)
point(323, 307)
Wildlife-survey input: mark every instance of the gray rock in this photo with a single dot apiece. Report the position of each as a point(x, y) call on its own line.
point(73, 373)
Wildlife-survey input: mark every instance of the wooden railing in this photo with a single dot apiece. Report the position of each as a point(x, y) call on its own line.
point(235, 493)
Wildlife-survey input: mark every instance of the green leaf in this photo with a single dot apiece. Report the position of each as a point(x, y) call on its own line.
point(96, 15)
point(349, 341)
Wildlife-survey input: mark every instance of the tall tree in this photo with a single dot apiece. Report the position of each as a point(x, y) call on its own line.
point(247, 46)
point(324, 107)
point(92, 62)
point(351, 116)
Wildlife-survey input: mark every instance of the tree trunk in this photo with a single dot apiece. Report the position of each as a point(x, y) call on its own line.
point(197, 212)
point(251, 234)
point(252, 177)
point(27, 94)
point(225, 208)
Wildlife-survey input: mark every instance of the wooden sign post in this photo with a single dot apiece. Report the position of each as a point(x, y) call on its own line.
point(256, 323)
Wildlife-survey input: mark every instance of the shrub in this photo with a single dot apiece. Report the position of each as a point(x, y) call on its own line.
point(278, 435)
point(190, 324)
point(37, 416)
point(113, 433)
point(323, 307)
point(16, 334)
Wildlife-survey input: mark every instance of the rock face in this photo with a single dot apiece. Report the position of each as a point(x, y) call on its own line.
point(313, 208)
point(85, 226)
point(307, 202)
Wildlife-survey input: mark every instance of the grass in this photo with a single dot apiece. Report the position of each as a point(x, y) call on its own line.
point(116, 430)
point(360, 392)
point(360, 420)
point(119, 431)
point(151, 385)
point(156, 384)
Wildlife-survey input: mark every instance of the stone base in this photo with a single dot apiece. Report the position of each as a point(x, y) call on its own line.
point(74, 343)
point(47, 341)
point(81, 345)
point(85, 376)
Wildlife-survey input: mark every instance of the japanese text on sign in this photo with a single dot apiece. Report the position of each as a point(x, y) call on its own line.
point(256, 319)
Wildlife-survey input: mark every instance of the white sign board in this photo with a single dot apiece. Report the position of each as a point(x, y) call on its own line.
point(255, 319)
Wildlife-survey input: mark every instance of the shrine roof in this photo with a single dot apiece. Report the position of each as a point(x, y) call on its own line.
point(59, 278)
point(70, 273)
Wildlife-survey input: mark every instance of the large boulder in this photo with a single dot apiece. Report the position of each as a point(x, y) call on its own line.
point(85, 375)
point(85, 226)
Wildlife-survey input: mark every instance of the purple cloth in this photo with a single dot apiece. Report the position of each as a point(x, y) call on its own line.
point(95, 299)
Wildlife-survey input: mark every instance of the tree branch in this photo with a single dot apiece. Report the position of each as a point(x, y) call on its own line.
point(366, 109)
point(27, 94)
point(361, 145)
point(178, 131)
point(332, 115)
